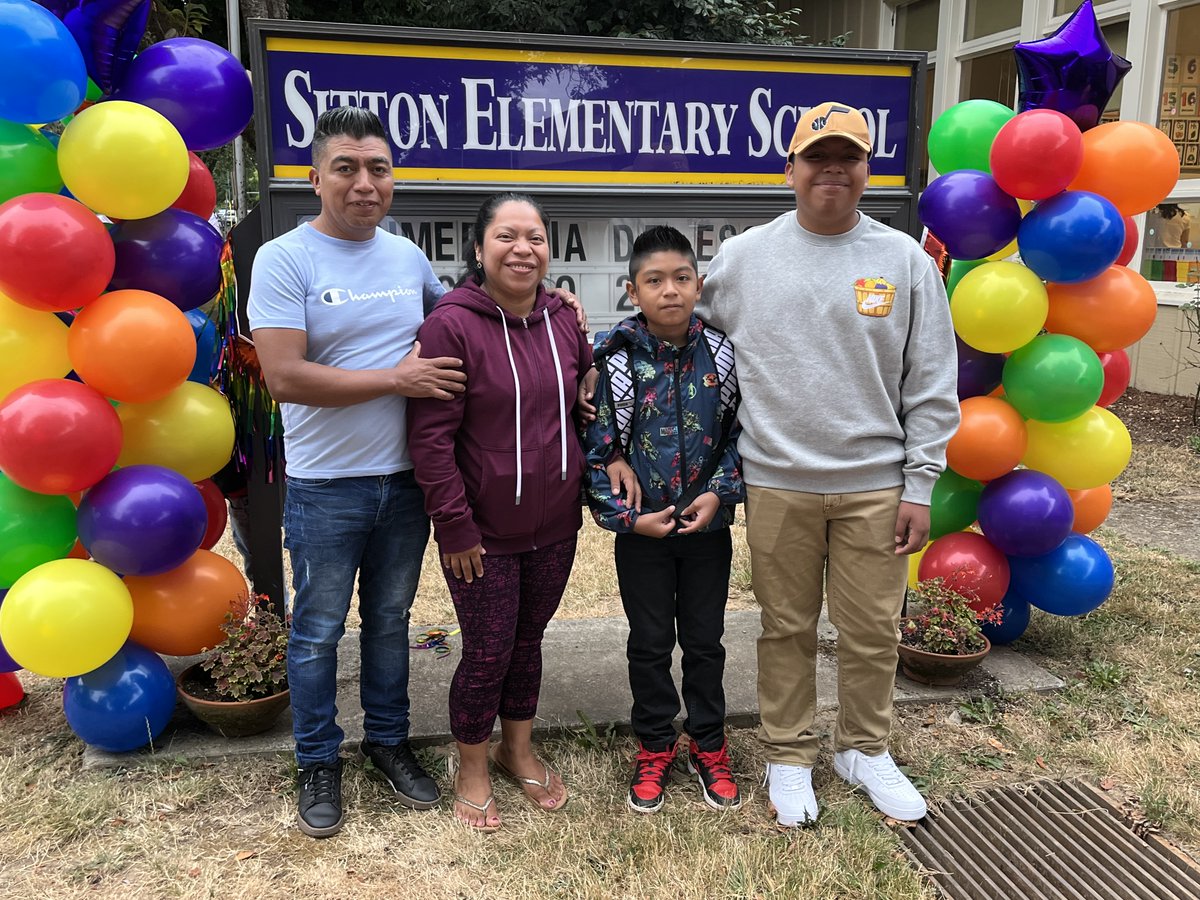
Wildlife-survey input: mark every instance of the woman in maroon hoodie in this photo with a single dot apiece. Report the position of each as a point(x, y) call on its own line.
point(501, 468)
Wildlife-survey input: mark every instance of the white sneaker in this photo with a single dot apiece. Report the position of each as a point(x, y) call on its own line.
point(791, 794)
point(891, 792)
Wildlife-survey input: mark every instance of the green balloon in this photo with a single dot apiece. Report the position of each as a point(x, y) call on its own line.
point(954, 504)
point(28, 162)
point(1053, 378)
point(959, 268)
point(34, 529)
point(962, 136)
point(93, 91)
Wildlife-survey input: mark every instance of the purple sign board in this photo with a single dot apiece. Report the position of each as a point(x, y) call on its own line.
point(466, 112)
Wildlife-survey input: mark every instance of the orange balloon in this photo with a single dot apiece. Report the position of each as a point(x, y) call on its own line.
point(78, 551)
point(133, 346)
point(1131, 163)
point(1092, 506)
point(180, 612)
point(1111, 311)
point(990, 440)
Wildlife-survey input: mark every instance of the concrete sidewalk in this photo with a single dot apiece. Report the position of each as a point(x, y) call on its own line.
point(584, 672)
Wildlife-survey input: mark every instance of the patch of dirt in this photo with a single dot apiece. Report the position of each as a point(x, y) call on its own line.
point(1157, 418)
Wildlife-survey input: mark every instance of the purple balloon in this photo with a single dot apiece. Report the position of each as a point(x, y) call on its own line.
point(1073, 71)
point(174, 254)
point(108, 32)
point(1025, 513)
point(200, 88)
point(7, 663)
point(969, 213)
point(142, 520)
point(979, 373)
point(59, 7)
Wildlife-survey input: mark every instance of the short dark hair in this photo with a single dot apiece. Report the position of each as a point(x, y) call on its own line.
point(660, 238)
point(345, 121)
point(484, 218)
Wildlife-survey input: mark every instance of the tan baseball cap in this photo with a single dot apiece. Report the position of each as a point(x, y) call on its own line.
point(831, 119)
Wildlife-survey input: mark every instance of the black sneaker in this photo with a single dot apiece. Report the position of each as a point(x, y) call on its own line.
point(321, 800)
point(399, 767)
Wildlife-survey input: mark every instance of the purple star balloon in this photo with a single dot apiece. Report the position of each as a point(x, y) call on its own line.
point(1073, 71)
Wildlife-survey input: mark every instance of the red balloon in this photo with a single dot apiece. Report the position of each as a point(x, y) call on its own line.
point(969, 564)
point(55, 254)
point(199, 195)
point(1036, 154)
point(1117, 373)
point(1131, 242)
point(58, 436)
point(218, 513)
point(11, 692)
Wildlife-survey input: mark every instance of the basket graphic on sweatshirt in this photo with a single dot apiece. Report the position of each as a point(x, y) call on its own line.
point(874, 296)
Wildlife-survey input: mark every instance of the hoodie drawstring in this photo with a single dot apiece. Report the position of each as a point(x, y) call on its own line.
point(562, 400)
point(512, 364)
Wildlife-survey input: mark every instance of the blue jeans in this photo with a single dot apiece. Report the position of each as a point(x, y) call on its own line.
point(374, 527)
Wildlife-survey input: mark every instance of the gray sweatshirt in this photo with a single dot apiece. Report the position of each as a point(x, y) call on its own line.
point(845, 354)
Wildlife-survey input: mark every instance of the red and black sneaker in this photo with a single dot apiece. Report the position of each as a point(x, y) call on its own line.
point(651, 772)
point(712, 770)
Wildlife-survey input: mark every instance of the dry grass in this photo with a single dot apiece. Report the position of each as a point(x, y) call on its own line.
point(1159, 471)
point(1129, 717)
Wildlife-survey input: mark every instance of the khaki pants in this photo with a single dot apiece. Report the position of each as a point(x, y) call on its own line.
point(796, 538)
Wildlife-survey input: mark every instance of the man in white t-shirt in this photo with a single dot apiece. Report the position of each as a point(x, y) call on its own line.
point(334, 310)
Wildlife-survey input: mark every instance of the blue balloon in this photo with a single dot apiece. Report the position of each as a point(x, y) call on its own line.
point(207, 345)
point(1015, 610)
point(969, 213)
point(123, 705)
point(142, 520)
point(1074, 236)
point(1073, 579)
point(42, 74)
point(1025, 513)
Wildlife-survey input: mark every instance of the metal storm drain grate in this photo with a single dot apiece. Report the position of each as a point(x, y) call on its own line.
point(1048, 839)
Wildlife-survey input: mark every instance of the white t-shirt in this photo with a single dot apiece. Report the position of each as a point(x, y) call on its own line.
point(360, 303)
point(1171, 230)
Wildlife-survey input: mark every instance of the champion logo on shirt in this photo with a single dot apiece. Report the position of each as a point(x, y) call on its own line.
point(338, 296)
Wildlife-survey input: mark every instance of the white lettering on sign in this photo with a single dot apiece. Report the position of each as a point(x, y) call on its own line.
point(491, 121)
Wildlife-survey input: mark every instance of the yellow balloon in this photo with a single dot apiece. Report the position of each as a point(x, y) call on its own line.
point(999, 306)
point(1081, 453)
point(1026, 206)
point(190, 430)
point(914, 563)
point(65, 618)
point(33, 346)
point(123, 160)
point(1008, 250)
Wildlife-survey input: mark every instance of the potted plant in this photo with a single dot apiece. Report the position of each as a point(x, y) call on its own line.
point(240, 688)
point(944, 640)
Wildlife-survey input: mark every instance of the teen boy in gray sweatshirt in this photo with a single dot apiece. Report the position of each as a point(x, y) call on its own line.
point(848, 377)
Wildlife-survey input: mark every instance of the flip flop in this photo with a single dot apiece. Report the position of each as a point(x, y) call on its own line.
point(452, 771)
point(520, 781)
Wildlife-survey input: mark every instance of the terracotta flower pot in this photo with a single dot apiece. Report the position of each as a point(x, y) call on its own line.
point(231, 718)
point(939, 668)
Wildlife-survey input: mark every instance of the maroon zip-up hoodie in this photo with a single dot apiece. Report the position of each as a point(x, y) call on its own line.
point(501, 464)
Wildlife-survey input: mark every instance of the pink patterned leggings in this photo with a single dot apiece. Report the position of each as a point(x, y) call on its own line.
point(503, 616)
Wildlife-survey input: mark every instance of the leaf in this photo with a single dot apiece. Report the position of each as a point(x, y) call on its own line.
point(996, 745)
point(244, 855)
point(1107, 784)
point(194, 872)
point(1041, 762)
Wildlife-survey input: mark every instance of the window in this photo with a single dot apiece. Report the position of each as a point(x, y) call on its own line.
point(984, 17)
point(992, 76)
point(1117, 35)
point(917, 26)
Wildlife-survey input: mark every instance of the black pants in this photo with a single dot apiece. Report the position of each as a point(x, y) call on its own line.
point(666, 582)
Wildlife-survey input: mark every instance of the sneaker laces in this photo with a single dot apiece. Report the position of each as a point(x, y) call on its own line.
point(885, 769)
point(716, 762)
point(652, 765)
point(402, 755)
point(791, 778)
point(323, 782)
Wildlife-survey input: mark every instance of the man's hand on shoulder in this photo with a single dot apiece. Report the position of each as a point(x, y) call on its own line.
point(440, 377)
